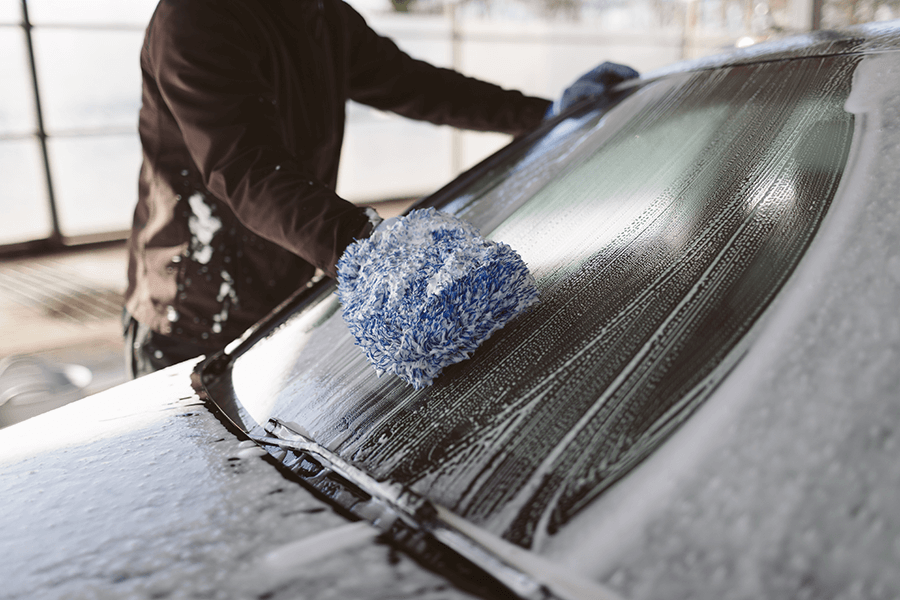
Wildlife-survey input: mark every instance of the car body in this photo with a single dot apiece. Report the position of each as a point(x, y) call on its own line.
point(705, 404)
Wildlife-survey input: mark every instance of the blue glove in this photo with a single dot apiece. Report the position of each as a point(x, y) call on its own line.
point(593, 84)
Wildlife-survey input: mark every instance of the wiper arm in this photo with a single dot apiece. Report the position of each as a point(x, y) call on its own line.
point(400, 512)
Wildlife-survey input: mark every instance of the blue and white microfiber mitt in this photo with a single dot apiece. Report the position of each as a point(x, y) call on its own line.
point(425, 290)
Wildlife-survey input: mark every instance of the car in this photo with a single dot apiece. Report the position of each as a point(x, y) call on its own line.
point(705, 403)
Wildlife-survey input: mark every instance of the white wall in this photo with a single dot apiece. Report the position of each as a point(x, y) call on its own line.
point(387, 156)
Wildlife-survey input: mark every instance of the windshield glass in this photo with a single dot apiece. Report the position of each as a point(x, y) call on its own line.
point(657, 232)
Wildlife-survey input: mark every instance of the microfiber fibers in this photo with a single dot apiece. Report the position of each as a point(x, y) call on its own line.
point(425, 290)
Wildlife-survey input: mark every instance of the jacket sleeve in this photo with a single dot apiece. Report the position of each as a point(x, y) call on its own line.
point(385, 77)
point(206, 66)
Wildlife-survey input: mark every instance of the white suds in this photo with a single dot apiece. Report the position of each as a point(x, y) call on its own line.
point(203, 226)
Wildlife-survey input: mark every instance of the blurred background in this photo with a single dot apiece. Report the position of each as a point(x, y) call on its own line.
point(70, 154)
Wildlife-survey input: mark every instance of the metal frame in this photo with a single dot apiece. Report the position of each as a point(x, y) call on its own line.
point(56, 241)
point(56, 235)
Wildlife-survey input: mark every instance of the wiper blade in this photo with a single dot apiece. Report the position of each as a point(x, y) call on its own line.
point(400, 512)
point(427, 531)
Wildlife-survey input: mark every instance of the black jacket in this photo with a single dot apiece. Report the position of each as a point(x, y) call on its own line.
point(241, 125)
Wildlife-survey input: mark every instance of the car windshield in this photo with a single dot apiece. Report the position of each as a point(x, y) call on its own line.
point(657, 231)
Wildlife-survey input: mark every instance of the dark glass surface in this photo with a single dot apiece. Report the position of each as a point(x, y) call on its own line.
point(657, 232)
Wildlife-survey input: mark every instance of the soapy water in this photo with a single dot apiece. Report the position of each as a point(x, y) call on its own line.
point(787, 484)
point(281, 565)
point(655, 251)
point(203, 225)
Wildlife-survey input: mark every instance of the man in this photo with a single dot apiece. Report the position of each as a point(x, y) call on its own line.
point(241, 125)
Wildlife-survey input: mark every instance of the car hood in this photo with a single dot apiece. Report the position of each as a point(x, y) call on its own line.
point(140, 492)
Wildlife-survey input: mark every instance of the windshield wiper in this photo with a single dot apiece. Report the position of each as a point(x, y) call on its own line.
point(411, 520)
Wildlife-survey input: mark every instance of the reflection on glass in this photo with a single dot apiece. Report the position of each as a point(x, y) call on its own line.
point(22, 193)
point(95, 179)
point(88, 79)
point(16, 103)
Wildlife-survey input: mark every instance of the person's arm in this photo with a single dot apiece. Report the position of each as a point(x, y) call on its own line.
point(205, 65)
point(385, 77)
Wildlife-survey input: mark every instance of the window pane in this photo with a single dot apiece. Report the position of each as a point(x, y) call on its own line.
point(16, 101)
point(23, 198)
point(840, 13)
point(426, 37)
point(385, 156)
point(83, 12)
point(88, 79)
point(10, 11)
point(95, 180)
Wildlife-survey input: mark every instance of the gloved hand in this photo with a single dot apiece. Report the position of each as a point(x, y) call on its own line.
point(593, 84)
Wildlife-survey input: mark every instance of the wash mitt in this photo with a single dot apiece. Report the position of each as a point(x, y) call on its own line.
point(425, 290)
